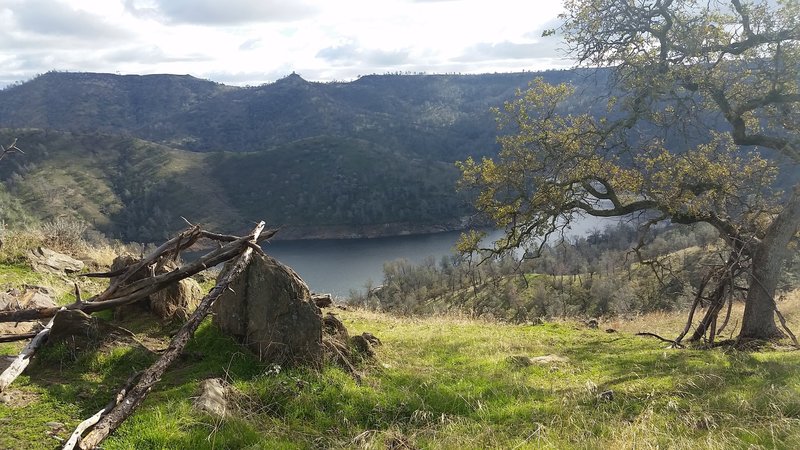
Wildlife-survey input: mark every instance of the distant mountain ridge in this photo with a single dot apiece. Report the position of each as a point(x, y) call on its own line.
point(427, 115)
point(368, 157)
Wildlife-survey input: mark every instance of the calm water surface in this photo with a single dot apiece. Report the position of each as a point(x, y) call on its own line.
point(339, 265)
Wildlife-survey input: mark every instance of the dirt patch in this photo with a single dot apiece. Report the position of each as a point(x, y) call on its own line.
point(15, 398)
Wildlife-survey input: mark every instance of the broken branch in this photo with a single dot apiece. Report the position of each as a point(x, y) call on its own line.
point(24, 358)
point(114, 418)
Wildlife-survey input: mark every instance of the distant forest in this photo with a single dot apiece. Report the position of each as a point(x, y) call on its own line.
point(130, 155)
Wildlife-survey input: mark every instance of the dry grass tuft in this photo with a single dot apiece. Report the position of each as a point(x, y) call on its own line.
point(670, 323)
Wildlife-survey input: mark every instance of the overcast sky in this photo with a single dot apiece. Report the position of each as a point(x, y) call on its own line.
point(258, 41)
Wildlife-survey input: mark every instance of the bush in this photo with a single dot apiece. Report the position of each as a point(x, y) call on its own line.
point(17, 242)
point(64, 235)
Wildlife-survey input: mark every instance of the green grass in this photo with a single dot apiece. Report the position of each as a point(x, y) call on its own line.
point(436, 383)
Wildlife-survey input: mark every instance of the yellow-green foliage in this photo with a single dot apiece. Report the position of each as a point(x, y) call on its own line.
point(552, 164)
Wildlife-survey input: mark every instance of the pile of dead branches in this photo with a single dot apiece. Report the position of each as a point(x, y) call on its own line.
point(94, 430)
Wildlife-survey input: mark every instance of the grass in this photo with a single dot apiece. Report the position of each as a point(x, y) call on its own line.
point(436, 382)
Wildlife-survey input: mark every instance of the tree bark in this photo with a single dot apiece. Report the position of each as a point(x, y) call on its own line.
point(24, 358)
point(134, 397)
point(769, 256)
point(117, 295)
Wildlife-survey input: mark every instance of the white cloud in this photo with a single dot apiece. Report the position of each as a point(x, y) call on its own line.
point(215, 12)
point(53, 18)
point(255, 41)
point(484, 51)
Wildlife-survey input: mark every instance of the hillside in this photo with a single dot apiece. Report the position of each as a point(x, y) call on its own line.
point(443, 381)
point(435, 383)
point(443, 117)
point(130, 155)
point(138, 190)
point(101, 102)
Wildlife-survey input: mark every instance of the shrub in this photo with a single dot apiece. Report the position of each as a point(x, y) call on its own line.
point(17, 242)
point(64, 234)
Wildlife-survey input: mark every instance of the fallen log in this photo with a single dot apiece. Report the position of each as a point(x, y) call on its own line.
point(122, 295)
point(114, 418)
point(91, 421)
point(17, 337)
point(24, 358)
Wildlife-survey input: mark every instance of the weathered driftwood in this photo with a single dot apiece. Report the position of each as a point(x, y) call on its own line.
point(118, 294)
point(24, 358)
point(114, 418)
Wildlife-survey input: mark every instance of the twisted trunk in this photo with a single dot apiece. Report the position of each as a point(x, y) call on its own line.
point(769, 256)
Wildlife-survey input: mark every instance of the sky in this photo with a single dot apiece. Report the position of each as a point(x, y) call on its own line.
point(252, 42)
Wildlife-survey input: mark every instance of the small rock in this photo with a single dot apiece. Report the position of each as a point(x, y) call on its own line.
point(212, 399)
point(549, 359)
point(54, 424)
point(606, 396)
point(322, 300)
point(8, 301)
point(371, 338)
point(362, 345)
point(332, 326)
point(610, 330)
point(36, 299)
point(46, 260)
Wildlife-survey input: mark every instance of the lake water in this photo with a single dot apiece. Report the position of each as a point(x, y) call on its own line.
point(339, 265)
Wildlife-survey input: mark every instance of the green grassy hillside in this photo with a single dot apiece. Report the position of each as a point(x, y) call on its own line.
point(136, 190)
point(438, 382)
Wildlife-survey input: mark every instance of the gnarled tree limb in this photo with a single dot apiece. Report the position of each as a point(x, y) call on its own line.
point(114, 418)
point(24, 358)
point(118, 294)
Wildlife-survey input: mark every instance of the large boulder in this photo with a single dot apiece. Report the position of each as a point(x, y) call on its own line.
point(176, 301)
point(269, 309)
point(31, 297)
point(49, 261)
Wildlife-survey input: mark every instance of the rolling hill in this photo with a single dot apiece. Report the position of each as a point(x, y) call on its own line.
point(132, 154)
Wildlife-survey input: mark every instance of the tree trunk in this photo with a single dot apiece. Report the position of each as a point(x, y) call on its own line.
point(769, 256)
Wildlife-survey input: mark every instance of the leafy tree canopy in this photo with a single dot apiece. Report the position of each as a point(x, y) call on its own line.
point(700, 90)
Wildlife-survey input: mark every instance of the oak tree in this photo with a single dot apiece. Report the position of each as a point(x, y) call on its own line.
point(701, 116)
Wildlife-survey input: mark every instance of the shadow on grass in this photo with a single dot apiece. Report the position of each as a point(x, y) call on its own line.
point(74, 382)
